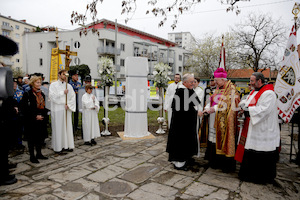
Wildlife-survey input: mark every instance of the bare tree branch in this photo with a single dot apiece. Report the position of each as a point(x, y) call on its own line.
point(175, 9)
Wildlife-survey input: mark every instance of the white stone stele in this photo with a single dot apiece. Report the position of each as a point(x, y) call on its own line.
point(136, 124)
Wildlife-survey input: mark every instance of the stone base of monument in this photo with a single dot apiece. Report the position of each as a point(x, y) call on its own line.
point(121, 134)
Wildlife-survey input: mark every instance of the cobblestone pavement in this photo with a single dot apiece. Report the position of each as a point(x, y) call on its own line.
point(139, 170)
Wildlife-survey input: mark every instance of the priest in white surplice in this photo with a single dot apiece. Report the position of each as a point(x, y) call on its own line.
point(260, 136)
point(169, 96)
point(61, 114)
point(90, 121)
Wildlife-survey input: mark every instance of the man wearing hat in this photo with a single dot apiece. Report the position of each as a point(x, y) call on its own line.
point(76, 85)
point(223, 127)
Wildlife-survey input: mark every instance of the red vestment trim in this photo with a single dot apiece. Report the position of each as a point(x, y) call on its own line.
point(239, 154)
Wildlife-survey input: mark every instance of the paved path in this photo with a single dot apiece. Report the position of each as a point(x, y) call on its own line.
point(138, 170)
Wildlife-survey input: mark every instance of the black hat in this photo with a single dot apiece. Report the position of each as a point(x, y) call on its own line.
point(73, 72)
point(88, 78)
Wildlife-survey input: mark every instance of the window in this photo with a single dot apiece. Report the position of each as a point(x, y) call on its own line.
point(77, 45)
point(136, 51)
point(41, 62)
point(5, 23)
point(122, 62)
point(17, 35)
point(17, 27)
point(180, 57)
point(17, 60)
point(26, 30)
point(179, 69)
point(5, 33)
point(122, 47)
point(41, 45)
point(113, 44)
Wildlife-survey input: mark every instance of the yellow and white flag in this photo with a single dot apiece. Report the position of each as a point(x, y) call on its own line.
point(56, 65)
point(287, 85)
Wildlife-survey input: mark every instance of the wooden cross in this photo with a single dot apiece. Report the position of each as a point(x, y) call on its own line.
point(67, 53)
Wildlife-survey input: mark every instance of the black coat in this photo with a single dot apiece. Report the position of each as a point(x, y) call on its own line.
point(182, 140)
point(33, 127)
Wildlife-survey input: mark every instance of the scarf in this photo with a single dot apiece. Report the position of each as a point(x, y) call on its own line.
point(40, 101)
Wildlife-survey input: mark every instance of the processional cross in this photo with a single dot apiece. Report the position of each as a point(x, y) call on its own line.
point(68, 60)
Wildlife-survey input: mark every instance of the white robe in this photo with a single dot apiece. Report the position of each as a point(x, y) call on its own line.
point(263, 132)
point(211, 122)
point(200, 93)
point(62, 128)
point(90, 121)
point(169, 98)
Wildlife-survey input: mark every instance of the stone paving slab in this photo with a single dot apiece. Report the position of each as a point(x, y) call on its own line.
point(75, 189)
point(106, 173)
point(141, 173)
point(139, 170)
point(173, 179)
point(116, 188)
point(70, 175)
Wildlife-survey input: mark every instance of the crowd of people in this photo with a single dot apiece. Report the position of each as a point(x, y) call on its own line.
point(27, 117)
point(194, 121)
point(214, 125)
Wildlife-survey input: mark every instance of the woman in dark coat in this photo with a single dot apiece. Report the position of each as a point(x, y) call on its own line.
point(182, 140)
point(33, 108)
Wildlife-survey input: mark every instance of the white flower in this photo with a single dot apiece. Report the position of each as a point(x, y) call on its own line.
point(161, 73)
point(106, 71)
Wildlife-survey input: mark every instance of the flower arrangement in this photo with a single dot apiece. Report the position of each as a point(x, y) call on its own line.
point(161, 72)
point(106, 71)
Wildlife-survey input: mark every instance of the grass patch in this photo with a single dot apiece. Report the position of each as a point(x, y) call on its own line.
point(117, 117)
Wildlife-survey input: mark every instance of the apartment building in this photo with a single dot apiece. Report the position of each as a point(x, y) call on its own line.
point(183, 39)
point(15, 30)
point(118, 45)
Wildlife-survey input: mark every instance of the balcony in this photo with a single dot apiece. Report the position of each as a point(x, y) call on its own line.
point(7, 28)
point(108, 51)
point(166, 60)
point(150, 56)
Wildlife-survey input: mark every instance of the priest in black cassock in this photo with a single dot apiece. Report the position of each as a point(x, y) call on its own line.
point(182, 140)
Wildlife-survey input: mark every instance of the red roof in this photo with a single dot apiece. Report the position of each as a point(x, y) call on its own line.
point(107, 24)
point(246, 73)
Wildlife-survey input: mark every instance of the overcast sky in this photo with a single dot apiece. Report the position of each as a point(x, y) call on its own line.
point(208, 16)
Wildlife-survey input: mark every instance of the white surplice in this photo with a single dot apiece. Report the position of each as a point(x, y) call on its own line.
point(211, 123)
point(263, 132)
point(90, 121)
point(61, 120)
point(169, 98)
point(200, 94)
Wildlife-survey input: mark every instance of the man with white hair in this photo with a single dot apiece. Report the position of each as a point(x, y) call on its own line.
point(222, 125)
point(182, 139)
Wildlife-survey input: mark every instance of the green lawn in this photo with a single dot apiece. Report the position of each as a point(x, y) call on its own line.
point(117, 117)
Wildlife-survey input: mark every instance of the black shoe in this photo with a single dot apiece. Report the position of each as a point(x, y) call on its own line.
point(69, 150)
point(11, 179)
point(60, 153)
point(41, 157)
point(34, 160)
point(93, 142)
point(87, 143)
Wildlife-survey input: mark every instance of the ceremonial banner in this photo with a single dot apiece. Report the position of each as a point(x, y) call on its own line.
point(56, 64)
point(222, 57)
point(287, 85)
